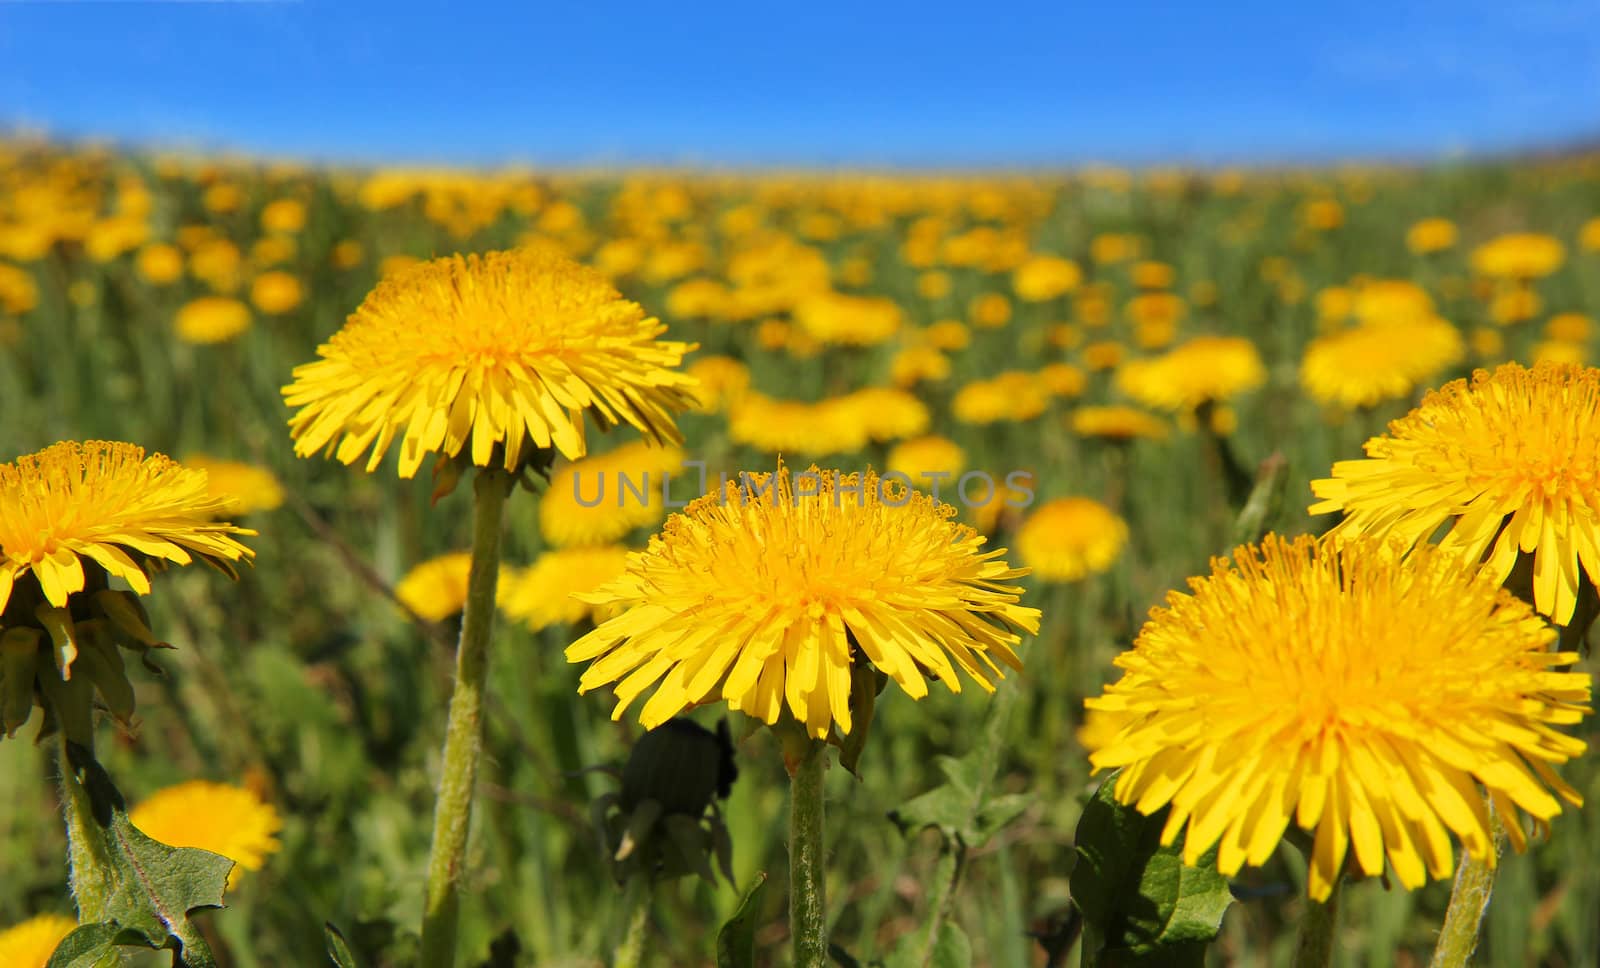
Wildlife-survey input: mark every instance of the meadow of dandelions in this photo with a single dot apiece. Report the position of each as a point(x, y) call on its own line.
point(407, 567)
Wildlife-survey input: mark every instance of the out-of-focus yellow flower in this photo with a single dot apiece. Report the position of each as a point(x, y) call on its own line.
point(914, 364)
point(886, 413)
point(211, 319)
point(1515, 304)
point(848, 320)
point(217, 263)
point(159, 264)
point(600, 499)
point(948, 335)
point(933, 285)
point(542, 594)
point(1487, 343)
point(1071, 538)
point(722, 380)
point(1335, 303)
point(1559, 351)
point(30, 943)
point(393, 265)
point(1117, 422)
point(223, 819)
point(1045, 277)
point(347, 254)
point(1589, 235)
point(1150, 274)
point(222, 198)
point(111, 237)
point(276, 293)
point(238, 488)
point(1569, 327)
point(773, 334)
point(1103, 355)
point(271, 250)
point(1431, 235)
point(990, 311)
point(1322, 214)
point(697, 299)
point(1368, 364)
point(796, 427)
point(1061, 379)
point(923, 459)
point(18, 292)
point(1391, 300)
point(285, 215)
point(1109, 248)
point(1012, 396)
point(1518, 256)
point(1093, 306)
point(1205, 369)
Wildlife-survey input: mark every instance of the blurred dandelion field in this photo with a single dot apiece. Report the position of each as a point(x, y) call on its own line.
point(1117, 352)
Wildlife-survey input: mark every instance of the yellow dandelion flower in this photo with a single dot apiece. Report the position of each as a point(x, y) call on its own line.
point(490, 351)
point(720, 382)
point(1206, 368)
point(31, 943)
point(1011, 396)
point(766, 593)
point(211, 319)
point(1071, 538)
point(1360, 695)
point(1108, 248)
point(1322, 214)
point(1558, 351)
point(914, 364)
point(933, 285)
point(925, 459)
point(272, 250)
point(286, 215)
point(1431, 235)
point(1103, 355)
point(1515, 304)
point(796, 427)
point(599, 499)
point(1117, 423)
point(1487, 342)
point(1569, 327)
point(239, 488)
point(437, 588)
point(1062, 379)
point(111, 504)
point(223, 819)
point(1391, 301)
point(1365, 365)
point(541, 595)
point(276, 293)
point(1589, 235)
point(1518, 256)
point(347, 254)
point(1153, 275)
point(1334, 303)
point(836, 318)
point(159, 264)
point(18, 292)
point(1511, 457)
point(948, 335)
point(1045, 277)
point(886, 413)
point(990, 311)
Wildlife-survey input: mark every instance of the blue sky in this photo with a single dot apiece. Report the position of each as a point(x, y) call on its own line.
point(928, 84)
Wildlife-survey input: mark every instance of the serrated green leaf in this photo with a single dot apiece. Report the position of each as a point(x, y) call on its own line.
point(996, 814)
point(1140, 896)
point(154, 887)
point(338, 948)
point(736, 941)
point(88, 946)
point(950, 806)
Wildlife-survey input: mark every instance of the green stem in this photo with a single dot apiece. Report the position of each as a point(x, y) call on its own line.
point(90, 873)
point(1469, 899)
point(808, 924)
point(1317, 930)
point(464, 733)
point(636, 908)
point(1089, 945)
point(945, 876)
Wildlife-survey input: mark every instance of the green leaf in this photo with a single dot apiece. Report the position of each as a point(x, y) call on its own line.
point(154, 887)
point(736, 942)
point(1140, 896)
point(960, 807)
point(88, 946)
point(952, 950)
point(338, 948)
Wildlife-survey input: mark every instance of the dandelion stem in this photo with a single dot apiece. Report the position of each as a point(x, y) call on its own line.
point(86, 848)
point(808, 926)
point(636, 909)
point(464, 732)
point(1314, 949)
point(1469, 899)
